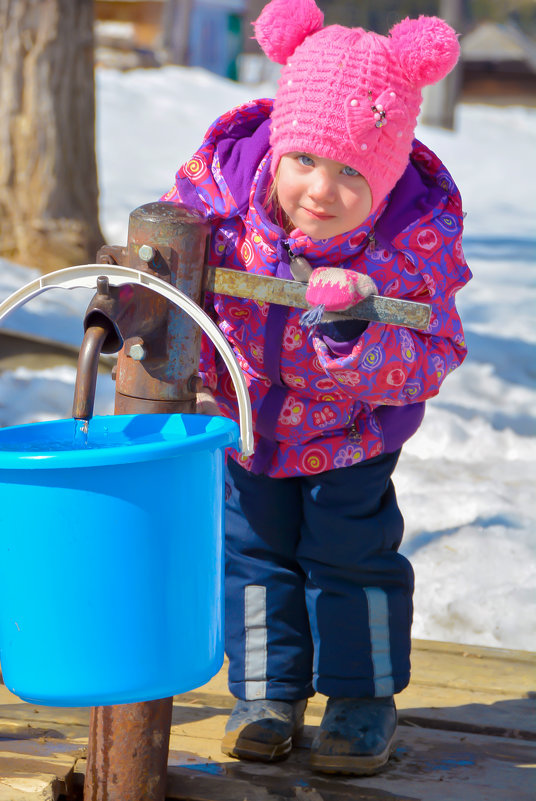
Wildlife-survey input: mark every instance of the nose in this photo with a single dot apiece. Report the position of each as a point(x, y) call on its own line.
point(321, 187)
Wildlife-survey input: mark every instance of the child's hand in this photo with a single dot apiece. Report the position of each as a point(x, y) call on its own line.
point(337, 289)
point(205, 403)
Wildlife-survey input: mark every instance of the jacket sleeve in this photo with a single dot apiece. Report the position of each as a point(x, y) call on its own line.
point(200, 185)
point(393, 365)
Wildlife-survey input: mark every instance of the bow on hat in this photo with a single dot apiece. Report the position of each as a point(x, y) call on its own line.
point(369, 118)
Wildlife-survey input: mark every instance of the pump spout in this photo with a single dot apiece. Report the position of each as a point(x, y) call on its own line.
point(86, 373)
point(102, 335)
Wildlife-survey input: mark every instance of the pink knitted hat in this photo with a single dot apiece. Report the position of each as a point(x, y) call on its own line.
point(349, 95)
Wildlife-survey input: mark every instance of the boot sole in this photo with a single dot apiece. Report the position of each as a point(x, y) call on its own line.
point(242, 748)
point(366, 765)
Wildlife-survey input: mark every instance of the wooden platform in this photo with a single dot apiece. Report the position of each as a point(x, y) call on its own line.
point(468, 731)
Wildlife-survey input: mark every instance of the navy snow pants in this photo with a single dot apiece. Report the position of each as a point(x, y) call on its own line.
point(317, 596)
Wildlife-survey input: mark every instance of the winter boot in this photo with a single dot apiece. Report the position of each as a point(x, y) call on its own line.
point(355, 737)
point(263, 730)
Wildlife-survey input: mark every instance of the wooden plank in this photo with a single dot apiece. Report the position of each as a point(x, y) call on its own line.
point(461, 694)
point(476, 718)
point(491, 671)
point(437, 708)
point(449, 766)
point(36, 767)
point(192, 779)
point(427, 765)
point(57, 752)
point(36, 787)
point(29, 776)
point(468, 712)
point(22, 730)
point(477, 651)
point(17, 715)
point(205, 783)
point(472, 689)
point(36, 761)
point(494, 670)
point(453, 686)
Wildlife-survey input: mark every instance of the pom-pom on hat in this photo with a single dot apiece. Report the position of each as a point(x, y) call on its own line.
point(351, 95)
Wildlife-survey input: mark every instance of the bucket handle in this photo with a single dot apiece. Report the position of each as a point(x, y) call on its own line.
point(85, 276)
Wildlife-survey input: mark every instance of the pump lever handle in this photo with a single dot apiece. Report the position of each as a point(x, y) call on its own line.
point(266, 289)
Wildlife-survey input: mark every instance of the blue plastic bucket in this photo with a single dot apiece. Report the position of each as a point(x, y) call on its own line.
point(111, 557)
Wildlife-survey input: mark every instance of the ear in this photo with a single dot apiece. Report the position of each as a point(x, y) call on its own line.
point(427, 49)
point(283, 25)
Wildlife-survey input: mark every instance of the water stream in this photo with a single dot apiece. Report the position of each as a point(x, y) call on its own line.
point(80, 437)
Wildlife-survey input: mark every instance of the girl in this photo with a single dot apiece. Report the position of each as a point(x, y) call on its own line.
point(317, 596)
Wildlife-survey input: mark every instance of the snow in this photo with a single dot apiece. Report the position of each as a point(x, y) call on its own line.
point(466, 480)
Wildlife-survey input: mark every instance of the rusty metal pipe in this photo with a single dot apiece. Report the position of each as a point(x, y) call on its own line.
point(128, 752)
point(86, 373)
point(128, 744)
point(161, 382)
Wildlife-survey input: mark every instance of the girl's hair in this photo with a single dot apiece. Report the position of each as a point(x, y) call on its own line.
point(272, 204)
point(271, 195)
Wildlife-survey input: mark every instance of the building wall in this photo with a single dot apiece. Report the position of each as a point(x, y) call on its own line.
point(145, 17)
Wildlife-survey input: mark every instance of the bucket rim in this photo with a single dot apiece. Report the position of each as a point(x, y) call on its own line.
point(219, 432)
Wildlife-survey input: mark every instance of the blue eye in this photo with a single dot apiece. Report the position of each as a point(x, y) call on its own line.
point(307, 161)
point(350, 171)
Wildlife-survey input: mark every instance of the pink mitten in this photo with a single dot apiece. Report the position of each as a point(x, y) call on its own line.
point(336, 289)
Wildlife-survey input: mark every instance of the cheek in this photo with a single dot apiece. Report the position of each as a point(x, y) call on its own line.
point(360, 203)
point(368, 198)
point(286, 194)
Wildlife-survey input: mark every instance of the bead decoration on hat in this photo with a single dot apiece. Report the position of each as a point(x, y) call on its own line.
point(378, 111)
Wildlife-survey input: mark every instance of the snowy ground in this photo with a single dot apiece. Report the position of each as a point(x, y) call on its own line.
point(466, 480)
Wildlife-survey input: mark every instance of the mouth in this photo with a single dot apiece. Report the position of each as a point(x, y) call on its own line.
point(318, 215)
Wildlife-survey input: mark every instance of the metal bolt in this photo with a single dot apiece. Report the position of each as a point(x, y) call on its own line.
point(195, 384)
point(146, 253)
point(137, 352)
point(103, 285)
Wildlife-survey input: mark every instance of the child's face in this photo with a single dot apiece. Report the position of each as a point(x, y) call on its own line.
point(322, 197)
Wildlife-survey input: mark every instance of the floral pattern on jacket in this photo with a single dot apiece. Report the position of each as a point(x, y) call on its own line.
point(319, 404)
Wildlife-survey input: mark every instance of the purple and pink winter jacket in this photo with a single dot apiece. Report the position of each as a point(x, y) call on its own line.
point(329, 399)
